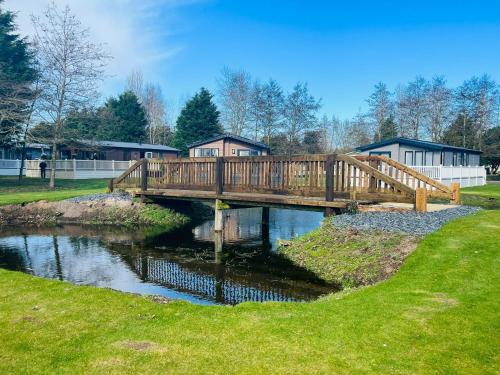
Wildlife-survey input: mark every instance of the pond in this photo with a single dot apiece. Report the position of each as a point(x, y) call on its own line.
point(181, 264)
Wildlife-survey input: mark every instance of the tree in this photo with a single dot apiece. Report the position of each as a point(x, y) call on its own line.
point(439, 108)
point(125, 121)
point(272, 109)
point(380, 108)
point(71, 66)
point(17, 75)
point(151, 98)
point(199, 119)
point(235, 97)
point(300, 110)
point(358, 132)
point(456, 133)
point(313, 142)
point(412, 107)
point(491, 150)
point(388, 129)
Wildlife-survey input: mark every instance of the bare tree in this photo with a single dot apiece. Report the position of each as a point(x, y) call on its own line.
point(300, 110)
point(154, 106)
point(71, 66)
point(151, 98)
point(267, 107)
point(413, 104)
point(358, 132)
point(380, 108)
point(439, 108)
point(235, 99)
point(135, 83)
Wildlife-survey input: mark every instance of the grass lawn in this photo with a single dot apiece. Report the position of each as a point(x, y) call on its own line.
point(35, 189)
point(438, 314)
point(486, 196)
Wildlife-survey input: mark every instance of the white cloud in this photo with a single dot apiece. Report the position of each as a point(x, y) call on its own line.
point(137, 33)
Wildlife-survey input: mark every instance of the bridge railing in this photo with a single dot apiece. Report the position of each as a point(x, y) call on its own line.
point(410, 177)
point(329, 176)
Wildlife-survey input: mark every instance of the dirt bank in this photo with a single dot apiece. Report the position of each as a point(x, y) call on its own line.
point(103, 211)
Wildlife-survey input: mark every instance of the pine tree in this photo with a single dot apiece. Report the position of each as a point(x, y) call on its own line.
point(17, 73)
point(199, 119)
point(124, 120)
point(388, 129)
point(458, 131)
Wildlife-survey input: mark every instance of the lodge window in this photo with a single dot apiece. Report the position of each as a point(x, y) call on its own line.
point(419, 158)
point(148, 155)
point(244, 152)
point(382, 153)
point(206, 152)
point(409, 157)
point(429, 158)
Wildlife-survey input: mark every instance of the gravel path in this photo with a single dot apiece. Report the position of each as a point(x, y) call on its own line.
point(410, 222)
point(101, 197)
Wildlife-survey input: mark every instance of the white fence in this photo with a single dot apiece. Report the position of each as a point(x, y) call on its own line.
point(10, 167)
point(70, 169)
point(466, 176)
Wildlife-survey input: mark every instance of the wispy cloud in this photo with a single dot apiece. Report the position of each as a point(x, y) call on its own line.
point(138, 34)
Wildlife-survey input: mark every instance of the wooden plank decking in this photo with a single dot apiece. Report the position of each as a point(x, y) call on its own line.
point(258, 199)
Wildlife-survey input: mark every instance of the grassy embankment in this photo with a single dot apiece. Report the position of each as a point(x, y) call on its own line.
point(438, 314)
point(486, 196)
point(36, 189)
point(349, 257)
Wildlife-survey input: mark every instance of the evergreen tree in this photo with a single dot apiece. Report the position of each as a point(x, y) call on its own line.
point(387, 130)
point(459, 131)
point(199, 119)
point(17, 73)
point(123, 120)
point(491, 149)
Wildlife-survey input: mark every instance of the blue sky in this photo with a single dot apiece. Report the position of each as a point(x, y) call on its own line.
point(341, 49)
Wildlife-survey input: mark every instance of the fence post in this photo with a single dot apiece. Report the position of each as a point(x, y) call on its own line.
point(455, 192)
point(95, 165)
point(329, 169)
point(421, 200)
point(329, 175)
point(144, 175)
point(219, 175)
point(113, 164)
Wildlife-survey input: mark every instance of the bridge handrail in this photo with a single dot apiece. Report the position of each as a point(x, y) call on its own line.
point(435, 188)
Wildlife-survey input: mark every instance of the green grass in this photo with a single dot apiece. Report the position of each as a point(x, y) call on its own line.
point(349, 257)
point(486, 196)
point(36, 189)
point(438, 314)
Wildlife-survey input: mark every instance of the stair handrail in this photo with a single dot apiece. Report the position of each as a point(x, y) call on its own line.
point(412, 172)
point(379, 175)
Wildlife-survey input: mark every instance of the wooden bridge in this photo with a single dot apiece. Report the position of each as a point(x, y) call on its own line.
point(321, 181)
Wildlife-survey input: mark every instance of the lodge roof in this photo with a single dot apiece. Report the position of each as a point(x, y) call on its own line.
point(230, 136)
point(416, 143)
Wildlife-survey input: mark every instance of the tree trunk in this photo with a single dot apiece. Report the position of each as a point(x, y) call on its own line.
point(52, 183)
point(23, 157)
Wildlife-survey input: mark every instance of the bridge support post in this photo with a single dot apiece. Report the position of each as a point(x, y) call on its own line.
point(219, 216)
point(329, 184)
point(219, 266)
point(455, 192)
point(421, 200)
point(265, 227)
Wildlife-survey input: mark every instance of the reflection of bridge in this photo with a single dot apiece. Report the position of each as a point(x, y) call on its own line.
point(214, 280)
point(217, 287)
point(322, 181)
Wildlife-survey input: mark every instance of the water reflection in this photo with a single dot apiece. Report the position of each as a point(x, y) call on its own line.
point(238, 265)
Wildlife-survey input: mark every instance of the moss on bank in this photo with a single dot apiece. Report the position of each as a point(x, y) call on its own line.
point(125, 214)
point(349, 257)
point(137, 215)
